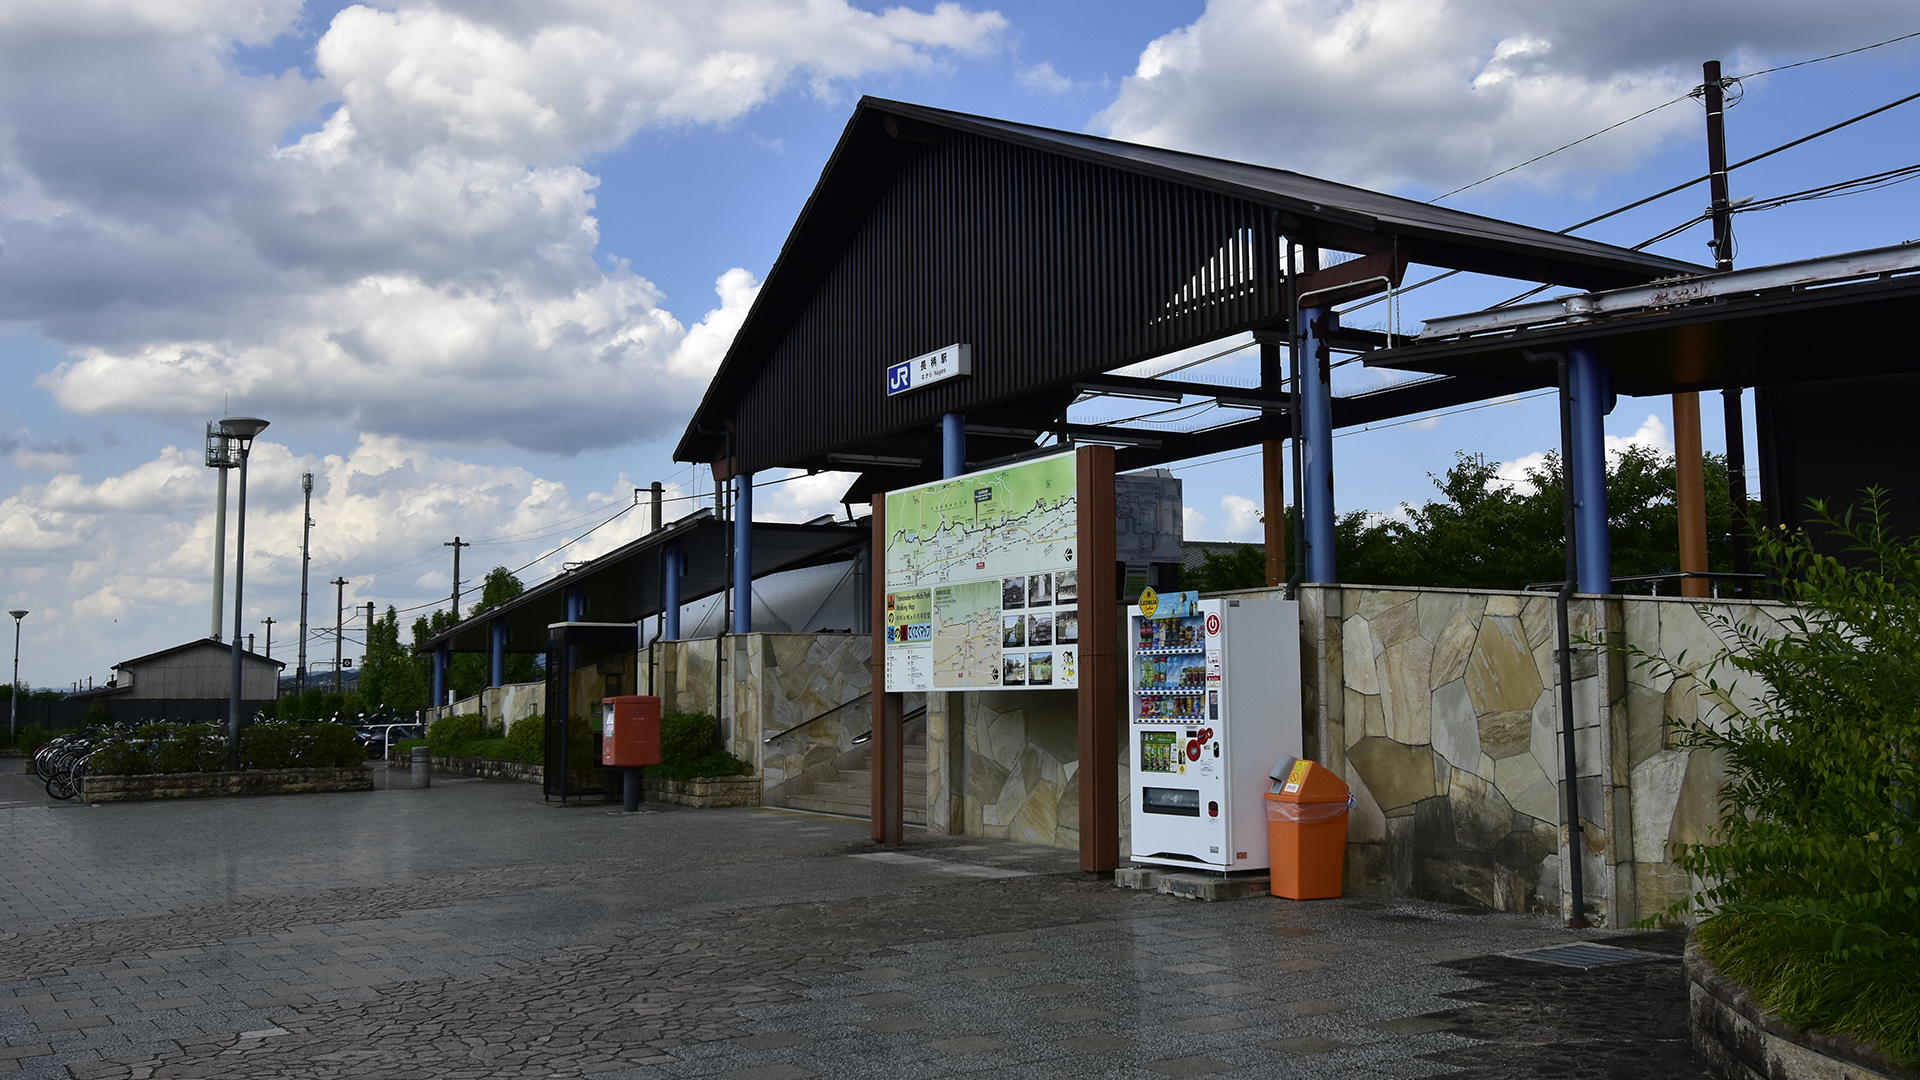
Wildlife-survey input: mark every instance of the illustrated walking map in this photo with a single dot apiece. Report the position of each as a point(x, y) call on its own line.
point(982, 588)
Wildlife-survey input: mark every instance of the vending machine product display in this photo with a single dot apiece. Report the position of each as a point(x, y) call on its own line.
point(1213, 702)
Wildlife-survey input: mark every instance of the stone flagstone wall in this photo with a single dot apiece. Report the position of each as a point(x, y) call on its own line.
point(768, 683)
point(1005, 764)
point(1440, 709)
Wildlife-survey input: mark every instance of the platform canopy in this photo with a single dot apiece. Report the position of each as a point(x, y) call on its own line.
point(1836, 317)
point(626, 584)
point(1059, 258)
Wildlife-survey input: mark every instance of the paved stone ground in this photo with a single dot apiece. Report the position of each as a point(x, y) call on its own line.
point(471, 931)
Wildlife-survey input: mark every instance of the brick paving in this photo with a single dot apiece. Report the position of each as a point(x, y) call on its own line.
point(470, 931)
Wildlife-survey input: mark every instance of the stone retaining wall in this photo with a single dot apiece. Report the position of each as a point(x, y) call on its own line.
point(703, 791)
point(1738, 1040)
point(110, 789)
point(1440, 708)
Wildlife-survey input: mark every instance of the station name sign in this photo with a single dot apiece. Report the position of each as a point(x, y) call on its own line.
point(936, 366)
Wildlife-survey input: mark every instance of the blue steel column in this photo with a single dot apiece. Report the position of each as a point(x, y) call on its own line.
point(953, 444)
point(1316, 424)
point(743, 554)
point(671, 600)
point(1592, 400)
point(439, 676)
point(576, 605)
point(499, 652)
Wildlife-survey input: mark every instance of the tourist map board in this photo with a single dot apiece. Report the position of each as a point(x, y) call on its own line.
point(982, 591)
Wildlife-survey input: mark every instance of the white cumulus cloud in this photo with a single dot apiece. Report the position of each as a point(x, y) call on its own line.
point(1388, 93)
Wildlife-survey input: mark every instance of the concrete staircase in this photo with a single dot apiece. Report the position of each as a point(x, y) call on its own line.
point(850, 791)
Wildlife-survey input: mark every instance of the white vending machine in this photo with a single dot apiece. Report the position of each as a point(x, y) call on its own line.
point(1214, 702)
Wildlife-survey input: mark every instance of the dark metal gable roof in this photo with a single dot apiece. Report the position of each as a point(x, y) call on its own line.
point(1057, 255)
point(198, 643)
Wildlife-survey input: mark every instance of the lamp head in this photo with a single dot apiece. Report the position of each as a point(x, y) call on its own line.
point(242, 429)
point(18, 615)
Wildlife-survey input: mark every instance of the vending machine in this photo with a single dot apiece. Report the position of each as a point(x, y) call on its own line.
point(1214, 702)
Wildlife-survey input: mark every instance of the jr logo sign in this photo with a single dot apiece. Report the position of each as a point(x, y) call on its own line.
point(900, 377)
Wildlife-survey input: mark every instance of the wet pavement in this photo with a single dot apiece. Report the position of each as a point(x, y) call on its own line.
point(471, 930)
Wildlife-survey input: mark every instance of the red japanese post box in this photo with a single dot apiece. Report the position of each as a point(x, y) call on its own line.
point(631, 726)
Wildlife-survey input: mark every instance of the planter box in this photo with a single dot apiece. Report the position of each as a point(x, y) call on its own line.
point(703, 791)
point(110, 789)
point(1738, 1040)
point(485, 768)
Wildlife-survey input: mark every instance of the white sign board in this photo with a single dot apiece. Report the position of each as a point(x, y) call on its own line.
point(982, 590)
point(936, 366)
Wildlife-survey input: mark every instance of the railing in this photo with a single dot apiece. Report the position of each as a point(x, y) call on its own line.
point(851, 701)
point(1716, 576)
point(868, 734)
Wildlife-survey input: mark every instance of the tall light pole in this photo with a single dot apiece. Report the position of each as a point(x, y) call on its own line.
point(240, 432)
point(219, 459)
point(13, 695)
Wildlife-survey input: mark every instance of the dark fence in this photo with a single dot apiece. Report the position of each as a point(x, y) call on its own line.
point(65, 713)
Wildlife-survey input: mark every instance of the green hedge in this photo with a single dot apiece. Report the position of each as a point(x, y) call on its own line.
point(183, 748)
point(525, 741)
point(689, 744)
point(690, 747)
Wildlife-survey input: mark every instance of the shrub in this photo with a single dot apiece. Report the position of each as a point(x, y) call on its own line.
point(96, 715)
point(29, 739)
point(527, 740)
point(178, 748)
point(1813, 894)
point(689, 747)
point(686, 737)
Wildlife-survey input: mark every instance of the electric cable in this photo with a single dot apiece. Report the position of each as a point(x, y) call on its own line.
point(1637, 203)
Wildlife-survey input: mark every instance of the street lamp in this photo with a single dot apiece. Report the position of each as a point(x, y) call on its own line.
point(240, 431)
point(13, 694)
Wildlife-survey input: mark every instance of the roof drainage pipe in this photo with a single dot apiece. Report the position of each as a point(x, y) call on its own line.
point(1570, 772)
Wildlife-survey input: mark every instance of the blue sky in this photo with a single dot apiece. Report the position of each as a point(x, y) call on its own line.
point(475, 260)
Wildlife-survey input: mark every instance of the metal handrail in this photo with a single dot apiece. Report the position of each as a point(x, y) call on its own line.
point(851, 701)
point(1714, 575)
point(868, 734)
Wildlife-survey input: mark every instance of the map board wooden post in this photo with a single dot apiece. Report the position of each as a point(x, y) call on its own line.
point(1003, 579)
point(1099, 692)
point(888, 804)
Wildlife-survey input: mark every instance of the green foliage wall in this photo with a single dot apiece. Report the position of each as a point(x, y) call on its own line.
point(1487, 533)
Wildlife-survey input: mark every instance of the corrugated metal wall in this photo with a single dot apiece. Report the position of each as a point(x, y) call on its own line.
point(1051, 269)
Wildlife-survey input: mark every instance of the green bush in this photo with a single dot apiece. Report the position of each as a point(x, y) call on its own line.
point(687, 737)
point(29, 739)
point(178, 748)
point(1813, 899)
point(718, 763)
point(689, 747)
point(527, 740)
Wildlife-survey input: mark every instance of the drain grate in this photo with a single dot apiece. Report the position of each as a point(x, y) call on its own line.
point(1585, 954)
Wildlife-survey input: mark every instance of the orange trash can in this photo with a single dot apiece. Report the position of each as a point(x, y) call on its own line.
point(1307, 832)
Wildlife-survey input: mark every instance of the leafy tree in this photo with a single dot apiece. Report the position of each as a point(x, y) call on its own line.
point(469, 673)
point(1486, 532)
point(392, 679)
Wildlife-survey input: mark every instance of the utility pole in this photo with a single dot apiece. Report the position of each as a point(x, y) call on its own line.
point(339, 612)
point(269, 621)
point(306, 536)
point(1714, 88)
point(456, 545)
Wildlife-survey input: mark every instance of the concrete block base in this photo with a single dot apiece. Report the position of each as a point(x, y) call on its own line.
point(1193, 885)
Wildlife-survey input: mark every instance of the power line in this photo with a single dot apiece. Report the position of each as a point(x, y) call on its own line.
point(1557, 149)
point(1829, 56)
point(1662, 105)
point(1637, 203)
